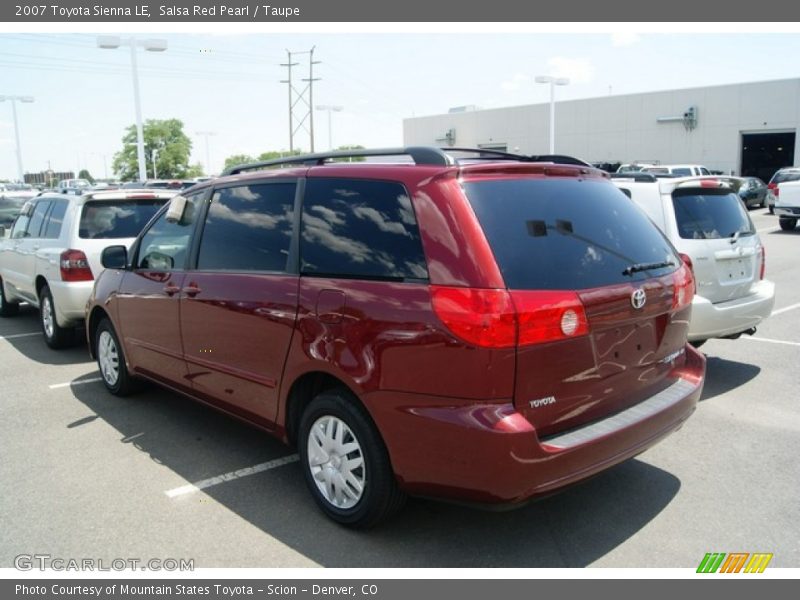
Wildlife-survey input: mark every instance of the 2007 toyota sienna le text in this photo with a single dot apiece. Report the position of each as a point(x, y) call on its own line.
point(486, 329)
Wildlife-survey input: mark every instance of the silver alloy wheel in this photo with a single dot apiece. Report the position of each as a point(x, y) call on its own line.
point(108, 358)
point(47, 317)
point(336, 462)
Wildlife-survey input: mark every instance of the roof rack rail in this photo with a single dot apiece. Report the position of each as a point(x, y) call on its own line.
point(421, 155)
point(561, 159)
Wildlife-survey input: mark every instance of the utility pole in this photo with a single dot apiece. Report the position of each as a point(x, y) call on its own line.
point(311, 80)
point(301, 107)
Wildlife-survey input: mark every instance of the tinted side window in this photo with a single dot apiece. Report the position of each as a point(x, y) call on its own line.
point(52, 229)
point(37, 218)
point(20, 225)
point(360, 229)
point(165, 246)
point(248, 228)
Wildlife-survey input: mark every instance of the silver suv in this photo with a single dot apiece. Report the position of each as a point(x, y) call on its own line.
point(52, 256)
point(708, 224)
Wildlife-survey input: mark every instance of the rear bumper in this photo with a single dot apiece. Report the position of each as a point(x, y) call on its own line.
point(489, 453)
point(787, 211)
point(70, 299)
point(729, 318)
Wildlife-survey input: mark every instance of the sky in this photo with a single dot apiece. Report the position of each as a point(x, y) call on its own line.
point(229, 83)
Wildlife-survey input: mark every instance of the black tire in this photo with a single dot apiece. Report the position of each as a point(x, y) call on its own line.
point(380, 496)
point(698, 343)
point(7, 309)
point(787, 224)
point(55, 335)
point(124, 384)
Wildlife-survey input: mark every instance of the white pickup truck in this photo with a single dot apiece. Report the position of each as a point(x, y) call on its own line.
point(787, 204)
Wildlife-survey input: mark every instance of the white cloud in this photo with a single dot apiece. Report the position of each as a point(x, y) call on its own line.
point(578, 70)
point(625, 38)
point(515, 83)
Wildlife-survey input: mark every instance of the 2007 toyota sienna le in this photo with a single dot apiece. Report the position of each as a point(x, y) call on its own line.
point(487, 328)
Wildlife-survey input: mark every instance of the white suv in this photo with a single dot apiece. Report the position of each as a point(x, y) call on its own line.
point(53, 253)
point(706, 221)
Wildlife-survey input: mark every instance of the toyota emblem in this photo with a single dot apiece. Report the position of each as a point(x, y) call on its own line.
point(638, 298)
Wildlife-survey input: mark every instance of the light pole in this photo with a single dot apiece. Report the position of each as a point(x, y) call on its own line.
point(13, 100)
point(330, 108)
point(207, 134)
point(110, 42)
point(553, 81)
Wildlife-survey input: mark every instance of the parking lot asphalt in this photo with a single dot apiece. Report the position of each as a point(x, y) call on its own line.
point(86, 474)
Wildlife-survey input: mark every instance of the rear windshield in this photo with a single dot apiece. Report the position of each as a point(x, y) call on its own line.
point(681, 171)
point(710, 215)
point(565, 234)
point(110, 219)
point(782, 176)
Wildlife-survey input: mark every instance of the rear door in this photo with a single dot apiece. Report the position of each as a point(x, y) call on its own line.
point(565, 237)
point(238, 306)
point(714, 229)
point(27, 248)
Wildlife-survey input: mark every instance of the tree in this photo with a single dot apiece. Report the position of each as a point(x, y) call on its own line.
point(238, 159)
point(84, 174)
point(165, 141)
point(350, 159)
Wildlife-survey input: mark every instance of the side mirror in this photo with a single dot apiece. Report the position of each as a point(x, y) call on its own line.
point(177, 205)
point(114, 257)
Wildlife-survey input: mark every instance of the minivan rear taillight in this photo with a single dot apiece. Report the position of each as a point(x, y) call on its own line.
point(548, 316)
point(683, 285)
point(502, 319)
point(75, 266)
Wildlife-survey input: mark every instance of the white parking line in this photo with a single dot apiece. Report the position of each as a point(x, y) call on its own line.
point(786, 308)
point(55, 386)
point(19, 335)
point(232, 476)
point(769, 341)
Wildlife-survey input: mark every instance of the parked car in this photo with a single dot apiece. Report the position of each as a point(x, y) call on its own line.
point(169, 184)
point(17, 191)
point(677, 170)
point(752, 191)
point(633, 167)
point(9, 209)
point(53, 253)
point(787, 205)
point(73, 186)
point(780, 176)
point(708, 224)
point(388, 320)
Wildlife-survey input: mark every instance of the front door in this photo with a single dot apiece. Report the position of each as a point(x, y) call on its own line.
point(148, 300)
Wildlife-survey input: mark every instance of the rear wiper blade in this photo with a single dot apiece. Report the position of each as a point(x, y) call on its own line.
point(638, 267)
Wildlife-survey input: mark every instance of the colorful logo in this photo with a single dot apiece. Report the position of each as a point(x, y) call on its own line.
point(734, 562)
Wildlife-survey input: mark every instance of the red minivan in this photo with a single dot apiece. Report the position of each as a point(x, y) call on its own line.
point(486, 329)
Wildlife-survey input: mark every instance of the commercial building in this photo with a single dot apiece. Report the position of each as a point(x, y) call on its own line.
point(745, 128)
